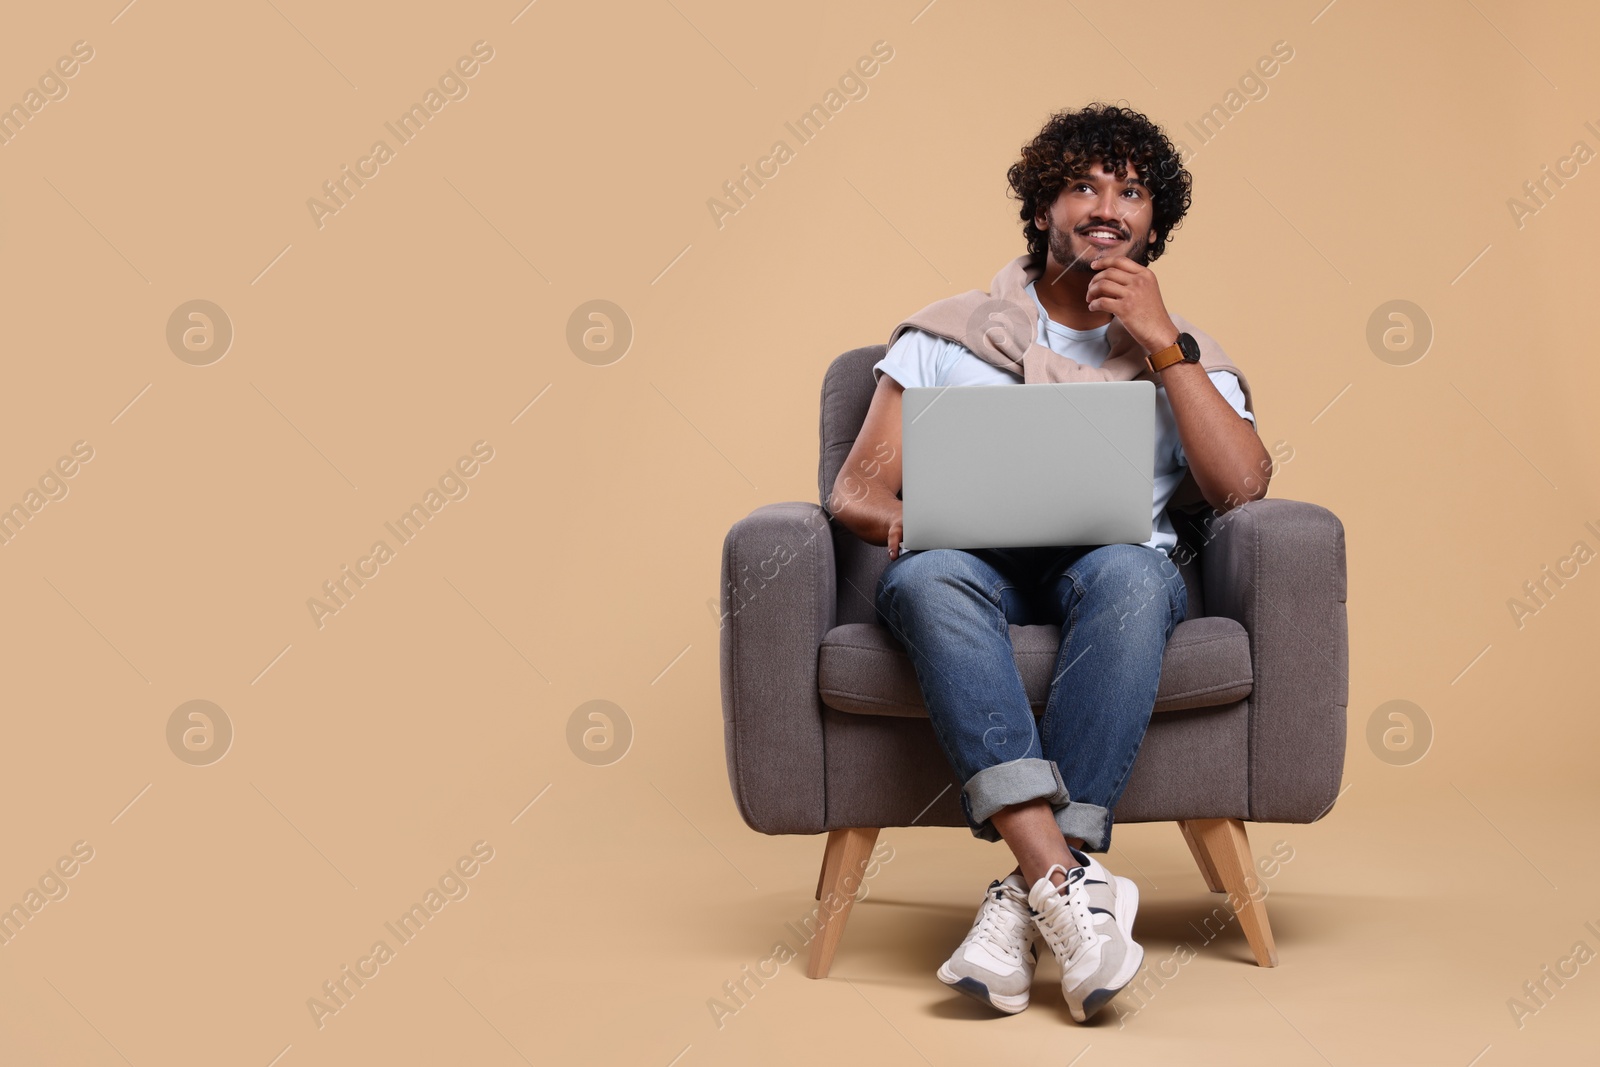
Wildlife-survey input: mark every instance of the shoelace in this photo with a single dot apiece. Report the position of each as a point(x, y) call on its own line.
point(1067, 923)
point(1004, 921)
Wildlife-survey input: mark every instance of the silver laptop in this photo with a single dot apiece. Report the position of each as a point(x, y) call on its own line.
point(1013, 466)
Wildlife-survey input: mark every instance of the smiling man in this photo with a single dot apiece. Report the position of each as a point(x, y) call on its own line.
point(1101, 188)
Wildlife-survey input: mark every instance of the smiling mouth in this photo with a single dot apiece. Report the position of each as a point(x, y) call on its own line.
point(1101, 237)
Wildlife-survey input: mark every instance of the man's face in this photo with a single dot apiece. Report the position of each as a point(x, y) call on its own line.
point(1093, 203)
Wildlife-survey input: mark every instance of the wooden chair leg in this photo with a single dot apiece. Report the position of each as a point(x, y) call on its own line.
point(1208, 870)
point(1224, 843)
point(843, 864)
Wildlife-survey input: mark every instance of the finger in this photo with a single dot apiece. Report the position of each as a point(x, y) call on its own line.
point(1117, 261)
point(1119, 273)
point(1103, 286)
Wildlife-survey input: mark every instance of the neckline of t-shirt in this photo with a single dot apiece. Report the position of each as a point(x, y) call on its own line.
point(1055, 327)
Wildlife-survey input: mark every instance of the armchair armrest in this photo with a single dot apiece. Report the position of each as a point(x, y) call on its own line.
point(1278, 568)
point(778, 601)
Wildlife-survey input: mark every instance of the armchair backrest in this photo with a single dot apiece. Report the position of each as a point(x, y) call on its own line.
point(847, 389)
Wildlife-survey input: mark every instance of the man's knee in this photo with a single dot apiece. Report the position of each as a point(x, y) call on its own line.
point(1130, 579)
point(929, 569)
point(1117, 568)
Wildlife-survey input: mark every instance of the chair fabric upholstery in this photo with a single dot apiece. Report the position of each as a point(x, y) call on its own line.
point(863, 669)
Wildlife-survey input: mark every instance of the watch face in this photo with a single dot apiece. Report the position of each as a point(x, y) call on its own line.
point(1189, 347)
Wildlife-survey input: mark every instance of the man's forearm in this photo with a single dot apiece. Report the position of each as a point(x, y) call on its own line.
point(1226, 457)
point(867, 514)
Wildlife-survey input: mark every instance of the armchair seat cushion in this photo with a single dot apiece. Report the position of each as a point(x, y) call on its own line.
point(863, 669)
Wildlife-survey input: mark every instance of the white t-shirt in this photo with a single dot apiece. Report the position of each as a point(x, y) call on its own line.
point(921, 359)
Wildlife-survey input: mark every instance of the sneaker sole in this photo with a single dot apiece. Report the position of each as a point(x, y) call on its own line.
point(980, 992)
point(1127, 905)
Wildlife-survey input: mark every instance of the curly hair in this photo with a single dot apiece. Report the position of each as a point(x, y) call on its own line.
point(1100, 133)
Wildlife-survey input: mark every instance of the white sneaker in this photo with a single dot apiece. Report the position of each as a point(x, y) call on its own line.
point(995, 962)
point(1088, 923)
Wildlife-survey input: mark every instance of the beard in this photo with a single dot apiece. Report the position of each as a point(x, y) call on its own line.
point(1061, 250)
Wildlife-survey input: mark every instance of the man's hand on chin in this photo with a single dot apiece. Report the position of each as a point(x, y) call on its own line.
point(1131, 293)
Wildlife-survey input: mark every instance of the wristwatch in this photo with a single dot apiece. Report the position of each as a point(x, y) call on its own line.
point(1184, 350)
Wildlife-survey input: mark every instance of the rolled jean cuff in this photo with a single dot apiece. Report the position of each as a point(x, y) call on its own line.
point(1087, 822)
point(1015, 782)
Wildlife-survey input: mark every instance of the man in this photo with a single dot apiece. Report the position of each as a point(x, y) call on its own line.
point(1102, 189)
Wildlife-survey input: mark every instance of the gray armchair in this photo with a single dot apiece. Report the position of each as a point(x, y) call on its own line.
point(826, 730)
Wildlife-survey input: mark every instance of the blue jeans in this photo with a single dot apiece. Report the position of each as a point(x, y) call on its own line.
point(1117, 606)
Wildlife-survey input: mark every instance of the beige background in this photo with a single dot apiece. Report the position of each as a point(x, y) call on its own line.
point(429, 712)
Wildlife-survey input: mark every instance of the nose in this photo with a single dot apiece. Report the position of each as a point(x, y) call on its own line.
point(1112, 206)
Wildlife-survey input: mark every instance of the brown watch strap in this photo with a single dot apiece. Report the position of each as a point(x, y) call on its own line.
point(1166, 357)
